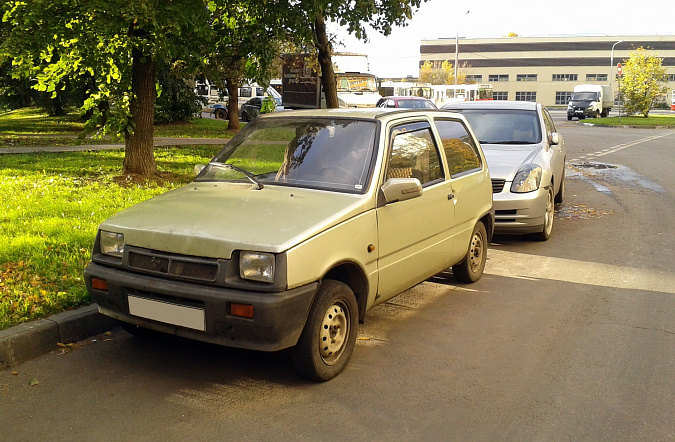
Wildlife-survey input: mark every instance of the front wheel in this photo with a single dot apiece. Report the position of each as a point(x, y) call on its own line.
point(471, 268)
point(547, 228)
point(327, 341)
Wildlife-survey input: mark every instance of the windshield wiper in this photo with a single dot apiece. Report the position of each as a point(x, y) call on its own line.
point(506, 142)
point(248, 174)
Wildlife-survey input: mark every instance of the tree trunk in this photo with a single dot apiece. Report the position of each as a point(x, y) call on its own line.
point(325, 50)
point(232, 103)
point(138, 155)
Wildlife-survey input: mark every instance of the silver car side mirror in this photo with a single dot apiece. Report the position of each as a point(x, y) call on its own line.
point(555, 139)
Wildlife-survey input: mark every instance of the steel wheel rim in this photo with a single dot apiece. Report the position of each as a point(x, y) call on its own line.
point(476, 252)
point(334, 332)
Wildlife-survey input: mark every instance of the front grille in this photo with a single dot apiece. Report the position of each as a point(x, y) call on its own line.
point(182, 267)
point(497, 185)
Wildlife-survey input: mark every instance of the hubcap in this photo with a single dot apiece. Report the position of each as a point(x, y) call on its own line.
point(334, 332)
point(476, 252)
point(548, 215)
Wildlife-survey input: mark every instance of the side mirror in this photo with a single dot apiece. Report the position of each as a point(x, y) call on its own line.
point(555, 139)
point(401, 189)
point(199, 168)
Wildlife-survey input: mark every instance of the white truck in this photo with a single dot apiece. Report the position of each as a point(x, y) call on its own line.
point(590, 100)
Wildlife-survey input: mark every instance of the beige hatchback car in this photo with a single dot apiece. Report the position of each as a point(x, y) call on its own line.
point(303, 222)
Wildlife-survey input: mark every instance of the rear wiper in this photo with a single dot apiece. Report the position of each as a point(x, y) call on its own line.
point(248, 174)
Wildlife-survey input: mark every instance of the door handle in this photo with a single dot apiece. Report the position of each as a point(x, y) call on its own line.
point(451, 196)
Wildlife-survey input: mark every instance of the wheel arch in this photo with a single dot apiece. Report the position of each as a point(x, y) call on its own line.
point(353, 276)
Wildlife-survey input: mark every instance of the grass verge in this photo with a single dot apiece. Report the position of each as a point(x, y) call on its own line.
point(650, 122)
point(28, 127)
point(51, 206)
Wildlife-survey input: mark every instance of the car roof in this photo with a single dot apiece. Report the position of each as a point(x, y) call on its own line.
point(396, 97)
point(492, 104)
point(376, 113)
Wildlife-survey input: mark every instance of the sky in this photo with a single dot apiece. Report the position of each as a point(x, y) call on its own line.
point(398, 54)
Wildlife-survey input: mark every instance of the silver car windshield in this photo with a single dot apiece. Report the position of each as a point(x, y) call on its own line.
point(504, 126)
point(321, 153)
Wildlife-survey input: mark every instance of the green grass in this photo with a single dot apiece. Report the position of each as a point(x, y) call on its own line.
point(51, 205)
point(650, 121)
point(28, 127)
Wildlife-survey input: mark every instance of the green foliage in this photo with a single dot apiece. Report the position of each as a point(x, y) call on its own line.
point(443, 75)
point(642, 81)
point(177, 100)
point(52, 205)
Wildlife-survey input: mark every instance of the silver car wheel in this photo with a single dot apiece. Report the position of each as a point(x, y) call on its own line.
point(476, 251)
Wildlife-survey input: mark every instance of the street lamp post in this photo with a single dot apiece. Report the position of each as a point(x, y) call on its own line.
point(611, 64)
point(457, 48)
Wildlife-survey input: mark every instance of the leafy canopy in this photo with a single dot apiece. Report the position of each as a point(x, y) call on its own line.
point(643, 80)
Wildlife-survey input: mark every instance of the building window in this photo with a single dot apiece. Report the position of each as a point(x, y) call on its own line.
point(470, 79)
point(671, 77)
point(565, 77)
point(563, 97)
point(503, 96)
point(526, 96)
point(526, 77)
point(596, 77)
point(496, 78)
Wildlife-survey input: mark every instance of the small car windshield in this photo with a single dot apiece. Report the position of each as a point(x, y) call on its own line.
point(322, 153)
point(504, 126)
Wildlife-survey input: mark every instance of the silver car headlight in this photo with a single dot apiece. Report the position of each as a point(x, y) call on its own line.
point(527, 179)
point(111, 243)
point(256, 266)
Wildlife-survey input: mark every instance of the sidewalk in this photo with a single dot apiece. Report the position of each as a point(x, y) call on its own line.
point(159, 141)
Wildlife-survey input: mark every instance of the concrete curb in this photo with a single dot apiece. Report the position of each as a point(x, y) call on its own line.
point(27, 341)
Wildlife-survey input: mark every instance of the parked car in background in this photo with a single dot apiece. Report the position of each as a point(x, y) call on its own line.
point(303, 222)
point(251, 109)
point(526, 158)
point(406, 102)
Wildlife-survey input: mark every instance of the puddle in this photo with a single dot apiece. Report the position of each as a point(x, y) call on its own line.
point(612, 173)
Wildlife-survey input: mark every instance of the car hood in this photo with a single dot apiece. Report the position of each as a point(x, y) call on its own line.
point(213, 219)
point(504, 161)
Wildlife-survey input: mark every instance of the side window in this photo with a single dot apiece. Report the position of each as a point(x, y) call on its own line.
point(414, 154)
point(458, 145)
point(548, 121)
point(245, 92)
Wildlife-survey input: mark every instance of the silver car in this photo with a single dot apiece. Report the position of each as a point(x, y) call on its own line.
point(526, 159)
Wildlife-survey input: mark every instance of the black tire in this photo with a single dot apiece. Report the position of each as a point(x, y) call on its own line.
point(547, 227)
point(244, 116)
point(471, 268)
point(559, 197)
point(569, 118)
point(327, 341)
point(221, 114)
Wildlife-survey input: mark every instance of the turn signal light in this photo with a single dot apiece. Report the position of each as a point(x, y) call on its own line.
point(243, 310)
point(99, 284)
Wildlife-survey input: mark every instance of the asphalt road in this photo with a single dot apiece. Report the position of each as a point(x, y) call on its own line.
point(569, 339)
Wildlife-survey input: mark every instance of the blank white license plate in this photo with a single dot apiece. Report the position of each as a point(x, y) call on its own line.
point(180, 315)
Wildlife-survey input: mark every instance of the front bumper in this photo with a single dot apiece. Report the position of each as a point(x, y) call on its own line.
point(277, 322)
point(519, 213)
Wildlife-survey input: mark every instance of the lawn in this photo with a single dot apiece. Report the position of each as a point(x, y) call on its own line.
point(52, 204)
point(650, 122)
point(29, 127)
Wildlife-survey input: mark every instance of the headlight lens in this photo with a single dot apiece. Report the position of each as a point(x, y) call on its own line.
point(112, 243)
point(256, 266)
point(527, 179)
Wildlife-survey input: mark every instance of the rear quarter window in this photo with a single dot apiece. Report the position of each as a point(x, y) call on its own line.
point(459, 147)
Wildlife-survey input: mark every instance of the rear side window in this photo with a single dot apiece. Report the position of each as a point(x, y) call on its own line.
point(459, 148)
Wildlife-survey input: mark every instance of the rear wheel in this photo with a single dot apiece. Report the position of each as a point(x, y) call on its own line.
point(221, 114)
point(327, 341)
point(471, 268)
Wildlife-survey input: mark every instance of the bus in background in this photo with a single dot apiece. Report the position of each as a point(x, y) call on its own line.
point(405, 89)
point(449, 93)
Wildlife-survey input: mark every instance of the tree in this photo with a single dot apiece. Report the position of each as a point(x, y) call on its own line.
point(307, 19)
point(642, 80)
point(444, 74)
point(116, 46)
